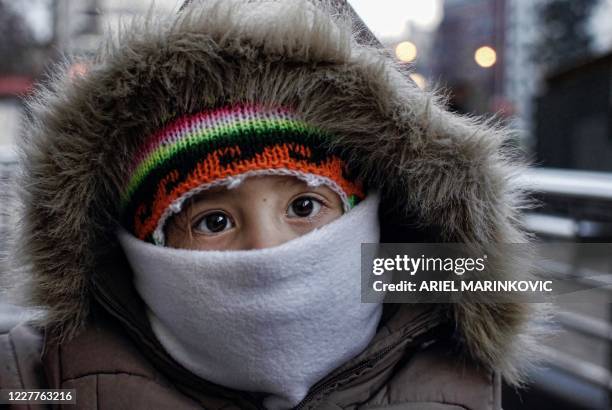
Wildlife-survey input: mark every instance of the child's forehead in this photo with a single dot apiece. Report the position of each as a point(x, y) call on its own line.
point(275, 182)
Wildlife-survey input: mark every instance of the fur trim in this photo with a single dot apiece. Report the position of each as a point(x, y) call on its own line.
point(84, 130)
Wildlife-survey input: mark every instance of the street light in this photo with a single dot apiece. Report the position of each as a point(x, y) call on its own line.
point(485, 56)
point(406, 51)
point(419, 80)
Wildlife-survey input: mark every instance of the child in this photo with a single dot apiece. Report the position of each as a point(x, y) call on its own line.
point(275, 312)
point(194, 206)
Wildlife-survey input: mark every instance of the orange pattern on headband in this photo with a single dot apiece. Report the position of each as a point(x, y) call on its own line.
point(278, 156)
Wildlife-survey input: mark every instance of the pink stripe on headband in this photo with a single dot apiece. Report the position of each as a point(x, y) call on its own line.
point(211, 119)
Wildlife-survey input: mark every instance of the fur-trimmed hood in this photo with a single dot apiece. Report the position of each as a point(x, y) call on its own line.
point(440, 169)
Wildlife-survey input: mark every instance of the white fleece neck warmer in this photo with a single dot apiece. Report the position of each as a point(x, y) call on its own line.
point(272, 320)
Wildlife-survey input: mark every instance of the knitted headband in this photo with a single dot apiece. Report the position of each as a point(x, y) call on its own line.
point(221, 147)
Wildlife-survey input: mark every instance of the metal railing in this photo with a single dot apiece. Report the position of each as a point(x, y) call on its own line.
point(576, 208)
point(582, 184)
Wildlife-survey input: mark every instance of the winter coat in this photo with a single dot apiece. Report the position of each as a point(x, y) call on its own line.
point(442, 178)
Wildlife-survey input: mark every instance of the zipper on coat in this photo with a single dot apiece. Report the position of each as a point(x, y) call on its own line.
point(345, 374)
point(320, 388)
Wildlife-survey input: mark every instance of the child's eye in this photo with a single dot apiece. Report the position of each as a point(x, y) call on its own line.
point(304, 207)
point(213, 223)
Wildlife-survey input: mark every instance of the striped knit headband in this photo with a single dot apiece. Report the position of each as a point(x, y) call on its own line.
point(221, 147)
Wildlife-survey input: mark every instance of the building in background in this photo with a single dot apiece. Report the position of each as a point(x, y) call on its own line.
point(80, 24)
point(574, 117)
point(468, 54)
point(37, 33)
point(558, 78)
point(514, 30)
point(522, 75)
point(407, 28)
point(23, 53)
point(76, 24)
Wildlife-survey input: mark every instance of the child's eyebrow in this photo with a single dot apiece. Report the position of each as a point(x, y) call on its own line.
point(218, 193)
point(290, 181)
point(211, 193)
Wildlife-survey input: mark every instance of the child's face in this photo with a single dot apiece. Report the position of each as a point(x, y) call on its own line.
point(261, 212)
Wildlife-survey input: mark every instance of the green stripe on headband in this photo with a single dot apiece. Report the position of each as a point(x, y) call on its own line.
point(253, 127)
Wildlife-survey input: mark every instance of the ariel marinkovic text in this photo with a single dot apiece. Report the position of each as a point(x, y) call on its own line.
point(465, 286)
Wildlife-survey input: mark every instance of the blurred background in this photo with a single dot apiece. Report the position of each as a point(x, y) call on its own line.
point(544, 67)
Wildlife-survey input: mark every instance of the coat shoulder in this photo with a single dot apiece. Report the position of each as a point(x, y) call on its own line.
point(107, 370)
point(102, 347)
point(20, 355)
